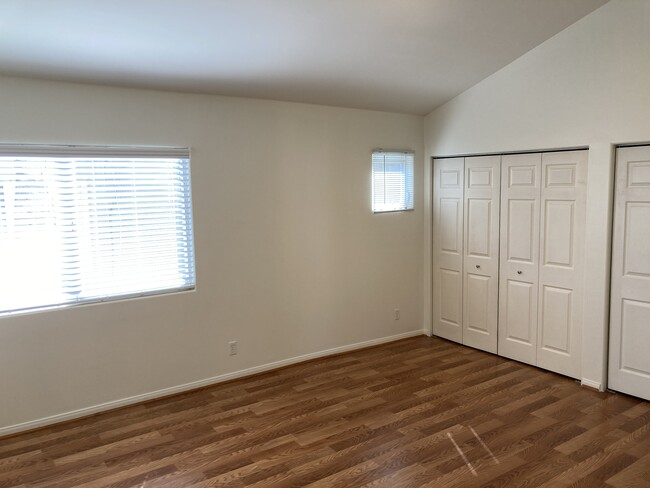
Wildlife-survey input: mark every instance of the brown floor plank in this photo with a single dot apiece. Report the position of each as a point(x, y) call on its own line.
point(380, 417)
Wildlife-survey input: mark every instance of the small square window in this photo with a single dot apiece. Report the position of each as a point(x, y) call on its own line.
point(392, 181)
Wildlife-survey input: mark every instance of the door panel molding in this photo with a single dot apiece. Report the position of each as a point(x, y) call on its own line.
point(629, 336)
point(448, 218)
point(561, 269)
point(519, 264)
point(481, 259)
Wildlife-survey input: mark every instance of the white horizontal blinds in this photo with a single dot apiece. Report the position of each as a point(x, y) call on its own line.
point(392, 181)
point(87, 227)
point(134, 216)
point(30, 250)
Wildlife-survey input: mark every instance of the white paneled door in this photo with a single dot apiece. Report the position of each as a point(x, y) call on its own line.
point(561, 268)
point(508, 247)
point(519, 260)
point(448, 248)
point(481, 256)
point(629, 335)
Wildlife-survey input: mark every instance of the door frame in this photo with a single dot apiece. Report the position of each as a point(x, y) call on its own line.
point(615, 166)
point(600, 195)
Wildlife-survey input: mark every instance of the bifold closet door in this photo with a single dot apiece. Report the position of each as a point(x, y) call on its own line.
point(481, 256)
point(561, 266)
point(448, 248)
point(629, 335)
point(519, 258)
point(541, 270)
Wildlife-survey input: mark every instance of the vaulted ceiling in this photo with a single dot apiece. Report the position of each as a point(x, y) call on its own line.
point(395, 55)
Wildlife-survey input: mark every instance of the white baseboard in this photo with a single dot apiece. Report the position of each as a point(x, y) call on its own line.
point(84, 412)
point(591, 384)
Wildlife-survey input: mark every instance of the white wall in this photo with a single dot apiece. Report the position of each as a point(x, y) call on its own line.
point(290, 259)
point(587, 86)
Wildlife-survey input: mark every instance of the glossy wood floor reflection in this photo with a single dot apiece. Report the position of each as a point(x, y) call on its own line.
point(415, 413)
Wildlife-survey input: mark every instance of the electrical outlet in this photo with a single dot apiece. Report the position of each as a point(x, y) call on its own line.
point(232, 348)
point(396, 313)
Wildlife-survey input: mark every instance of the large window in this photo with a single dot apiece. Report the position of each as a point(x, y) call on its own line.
point(392, 181)
point(83, 224)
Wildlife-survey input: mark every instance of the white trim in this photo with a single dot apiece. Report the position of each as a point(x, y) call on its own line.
point(428, 245)
point(84, 412)
point(592, 384)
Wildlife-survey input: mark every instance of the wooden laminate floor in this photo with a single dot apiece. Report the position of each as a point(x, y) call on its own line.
point(419, 412)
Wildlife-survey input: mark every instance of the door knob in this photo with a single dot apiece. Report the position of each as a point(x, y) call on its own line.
point(478, 266)
point(519, 272)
